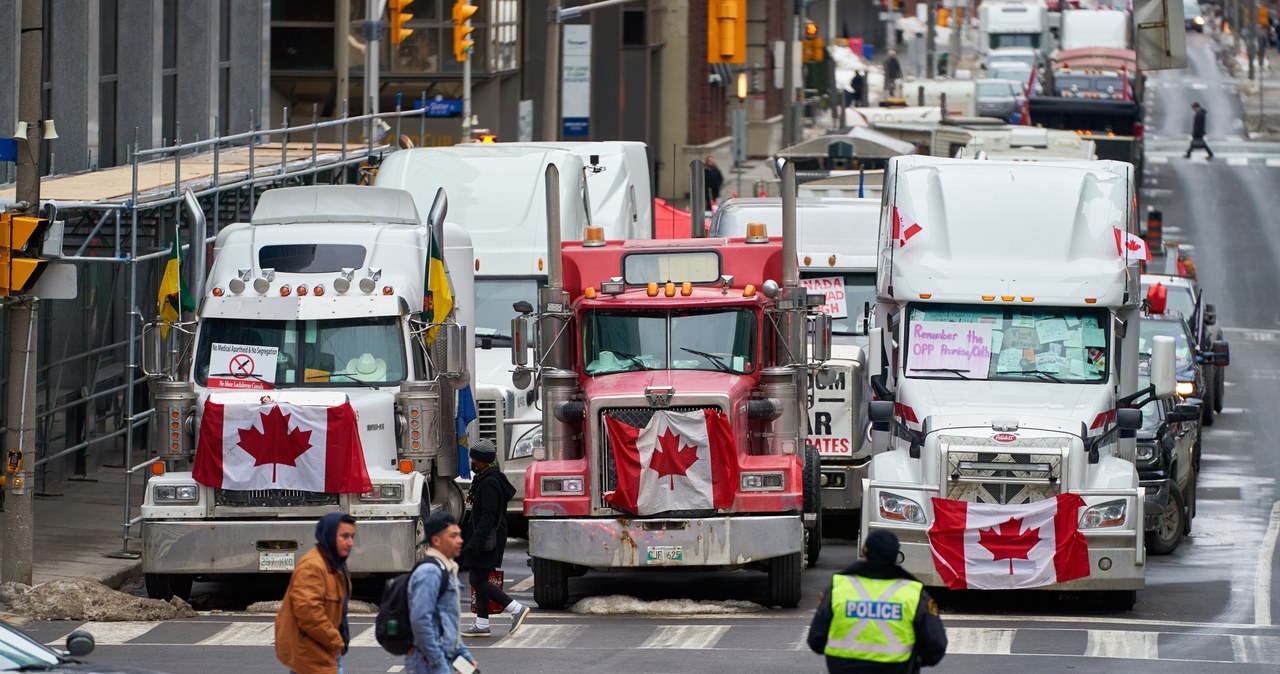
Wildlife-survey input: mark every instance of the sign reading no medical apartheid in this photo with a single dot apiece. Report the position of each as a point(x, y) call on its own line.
point(242, 366)
point(833, 287)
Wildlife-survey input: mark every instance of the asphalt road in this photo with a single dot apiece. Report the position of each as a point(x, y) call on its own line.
point(1208, 607)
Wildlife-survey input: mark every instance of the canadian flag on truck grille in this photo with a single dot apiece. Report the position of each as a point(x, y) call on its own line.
point(678, 461)
point(986, 546)
point(281, 446)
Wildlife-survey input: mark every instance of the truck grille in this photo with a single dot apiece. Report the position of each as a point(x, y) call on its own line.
point(490, 419)
point(1002, 477)
point(273, 498)
point(632, 416)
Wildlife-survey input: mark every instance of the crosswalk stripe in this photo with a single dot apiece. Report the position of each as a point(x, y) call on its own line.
point(542, 636)
point(243, 634)
point(685, 636)
point(111, 634)
point(1273, 162)
point(1250, 648)
point(1237, 161)
point(366, 638)
point(523, 585)
point(1122, 644)
point(980, 641)
point(801, 644)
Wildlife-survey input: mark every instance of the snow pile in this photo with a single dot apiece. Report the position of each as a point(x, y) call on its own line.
point(618, 604)
point(354, 607)
point(87, 599)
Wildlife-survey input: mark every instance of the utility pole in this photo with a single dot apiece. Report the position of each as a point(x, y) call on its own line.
point(788, 79)
point(931, 41)
point(834, 94)
point(372, 36)
point(551, 99)
point(1251, 45)
point(20, 392)
point(957, 25)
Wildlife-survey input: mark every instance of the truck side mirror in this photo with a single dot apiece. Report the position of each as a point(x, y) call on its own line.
point(455, 351)
point(152, 351)
point(875, 351)
point(822, 338)
point(1210, 314)
point(1162, 364)
point(880, 412)
point(520, 340)
point(1129, 419)
point(1185, 412)
point(1221, 353)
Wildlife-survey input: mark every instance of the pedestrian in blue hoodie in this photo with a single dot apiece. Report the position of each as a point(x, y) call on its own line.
point(433, 612)
point(311, 628)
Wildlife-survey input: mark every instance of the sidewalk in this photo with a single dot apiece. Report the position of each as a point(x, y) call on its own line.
point(79, 530)
point(1259, 97)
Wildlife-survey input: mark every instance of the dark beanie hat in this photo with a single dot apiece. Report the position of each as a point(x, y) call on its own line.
point(434, 524)
point(484, 451)
point(882, 547)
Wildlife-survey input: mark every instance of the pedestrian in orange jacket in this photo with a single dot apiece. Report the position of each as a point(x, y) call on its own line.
point(311, 628)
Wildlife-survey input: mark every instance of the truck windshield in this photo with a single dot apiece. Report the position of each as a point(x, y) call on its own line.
point(846, 295)
point(1052, 344)
point(494, 297)
point(248, 354)
point(723, 341)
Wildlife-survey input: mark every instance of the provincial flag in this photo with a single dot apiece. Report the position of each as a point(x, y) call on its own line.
point(174, 298)
point(437, 296)
point(904, 227)
point(1130, 246)
point(466, 415)
point(281, 446)
point(984, 546)
point(678, 461)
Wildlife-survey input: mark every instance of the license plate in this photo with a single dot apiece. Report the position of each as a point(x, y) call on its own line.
point(664, 554)
point(275, 561)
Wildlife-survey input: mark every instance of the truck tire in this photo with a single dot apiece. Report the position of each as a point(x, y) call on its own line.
point(1119, 600)
point(165, 586)
point(1219, 384)
point(1191, 499)
point(1206, 406)
point(784, 580)
point(812, 504)
point(1169, 527)
point(550, 583)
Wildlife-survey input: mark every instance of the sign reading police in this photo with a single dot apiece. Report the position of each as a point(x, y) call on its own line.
point(833, 287)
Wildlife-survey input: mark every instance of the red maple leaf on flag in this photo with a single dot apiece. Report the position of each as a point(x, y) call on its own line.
point(1133, 246)
point(674, 458)
point(1008, 541)
point(275, 443)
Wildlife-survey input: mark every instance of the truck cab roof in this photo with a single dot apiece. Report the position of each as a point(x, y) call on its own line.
point(841, 227)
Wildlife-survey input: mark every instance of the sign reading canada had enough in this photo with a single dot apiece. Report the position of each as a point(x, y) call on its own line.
point(833, 287)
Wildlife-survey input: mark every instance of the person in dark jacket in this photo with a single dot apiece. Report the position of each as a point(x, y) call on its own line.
point(1197, 131)
point(859, 85)
point(486, 538)
point(714, 181)
point(892, 75)
point(887, 623)
point(311, 630)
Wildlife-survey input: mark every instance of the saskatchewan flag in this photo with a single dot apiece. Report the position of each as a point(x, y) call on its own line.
point(437, 298)
point(174, 298)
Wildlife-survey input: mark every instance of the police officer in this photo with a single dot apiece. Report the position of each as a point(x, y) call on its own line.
point(878, 618)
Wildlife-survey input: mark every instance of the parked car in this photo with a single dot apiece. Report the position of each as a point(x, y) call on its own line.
point(999, 98)
point(21, 653)
point(1192, 12)
point(1167, 455)
point(1185, 297)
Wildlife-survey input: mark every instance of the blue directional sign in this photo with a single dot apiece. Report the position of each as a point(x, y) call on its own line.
point(440, 107)
point(8, 149)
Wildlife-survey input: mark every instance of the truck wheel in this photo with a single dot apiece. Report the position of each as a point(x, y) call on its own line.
point(1191, 500)
point(784, 580)
point(812, 504)
point(1206, 407)
point(550, 583)
point(1169, 527)
point(448, 495)
point(1219, 384)
point(1119, 600)
point(165, 586)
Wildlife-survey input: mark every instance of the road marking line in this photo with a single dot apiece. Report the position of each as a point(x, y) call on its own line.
point(1237, 161)
point(396, 668)
point(1262, 586)
point(365, 639)
point(1122, 644)
point(110, 634)
point(1157, 160)
point(523, 585)
point(1254, 649)
point(803, 643)
point(1273, 332)
point(691, 637)
point(1199, 86)
point(1273, 162)
point(980, 641)
point(541, 636)
point(1072, 623)
point(242, 634)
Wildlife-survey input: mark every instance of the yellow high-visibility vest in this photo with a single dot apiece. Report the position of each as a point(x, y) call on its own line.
point(873, 619)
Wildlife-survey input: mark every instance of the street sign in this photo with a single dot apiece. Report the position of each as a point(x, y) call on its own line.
point(440, 107)
point(8, 149)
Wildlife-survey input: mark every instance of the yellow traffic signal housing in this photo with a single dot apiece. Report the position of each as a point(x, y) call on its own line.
point(462, 42)
point(726, 31)
point(19, 272)
point(812, 50)
point(397, 17)
point(1264, 16)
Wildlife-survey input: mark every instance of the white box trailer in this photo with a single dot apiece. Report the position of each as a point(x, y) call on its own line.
point(1004, 355)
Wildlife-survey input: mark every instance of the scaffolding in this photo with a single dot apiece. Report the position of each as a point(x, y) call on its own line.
point(118, 226)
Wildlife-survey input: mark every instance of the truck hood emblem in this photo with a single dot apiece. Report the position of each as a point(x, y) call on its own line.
point(659, 396)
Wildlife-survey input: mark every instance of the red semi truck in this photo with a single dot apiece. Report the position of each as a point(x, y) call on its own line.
point(673, 382)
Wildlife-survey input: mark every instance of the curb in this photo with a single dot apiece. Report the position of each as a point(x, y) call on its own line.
point(116, 579)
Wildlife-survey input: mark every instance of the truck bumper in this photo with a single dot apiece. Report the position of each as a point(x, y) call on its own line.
point(1124, 571)
point(1158, 495)
point(628, 543)
point(213, 547)
point(842, 485)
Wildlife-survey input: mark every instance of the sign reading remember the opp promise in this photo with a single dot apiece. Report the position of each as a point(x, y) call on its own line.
point(242, 366)
point(833, 287)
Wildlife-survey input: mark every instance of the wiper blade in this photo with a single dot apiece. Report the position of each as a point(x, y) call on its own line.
point(36, 667)
point(351, 376)
point(953, 370)
point(241, 375)
point(718, 361)
point(631, 357)
point(1045, 375)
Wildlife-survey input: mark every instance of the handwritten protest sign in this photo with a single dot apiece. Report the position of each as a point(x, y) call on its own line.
point(938, 346)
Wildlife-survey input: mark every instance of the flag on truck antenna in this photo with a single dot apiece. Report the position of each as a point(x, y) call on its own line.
point(466, 414)
point(174, 298)
point(437, 297)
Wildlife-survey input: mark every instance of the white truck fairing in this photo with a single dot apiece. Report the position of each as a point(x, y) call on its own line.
point(1012, 23)
point(1095, 28)
point(1004, 302)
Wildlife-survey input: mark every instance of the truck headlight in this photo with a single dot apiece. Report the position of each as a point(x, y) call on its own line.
point(902, 509)
point(384, 492)
point(571, 484)
point(1146, 453)
point(176, 493)
point(762, 481)
point(1105, 515)
point(529, 441)
point(1186, 389)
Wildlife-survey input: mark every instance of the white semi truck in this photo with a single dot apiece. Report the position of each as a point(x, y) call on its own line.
point(497, 192)
point(836, 246)
point(308, 370)
point(1004, 359)
point(1012, 23)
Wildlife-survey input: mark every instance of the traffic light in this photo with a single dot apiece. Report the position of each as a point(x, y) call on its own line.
point(462, 42)
point(398, 17)
point(1264, 16)
point(726, 31)
point(20, 267)
point(811, 46)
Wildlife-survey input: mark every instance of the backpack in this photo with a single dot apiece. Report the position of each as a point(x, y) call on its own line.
point(394, 628)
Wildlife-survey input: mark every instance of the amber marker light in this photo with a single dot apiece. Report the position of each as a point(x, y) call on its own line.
point(652, 289)
point(157, 468)
point(589, 293)
point(406, 466)
point(686, 288)
point(669, 289)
